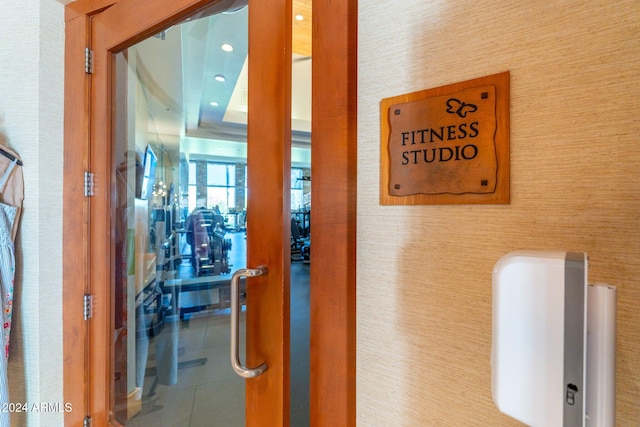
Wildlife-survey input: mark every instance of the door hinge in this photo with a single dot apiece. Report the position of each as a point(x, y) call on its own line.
point(86, 422)
point(88, 184)
point(88, 61)
point(88, 307)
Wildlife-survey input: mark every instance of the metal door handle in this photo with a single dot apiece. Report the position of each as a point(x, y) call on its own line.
point(238, 367)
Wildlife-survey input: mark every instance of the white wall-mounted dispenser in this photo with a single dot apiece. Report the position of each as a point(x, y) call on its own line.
point(553, 349)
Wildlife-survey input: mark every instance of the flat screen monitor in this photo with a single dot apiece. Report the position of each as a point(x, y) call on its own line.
point(149, 173)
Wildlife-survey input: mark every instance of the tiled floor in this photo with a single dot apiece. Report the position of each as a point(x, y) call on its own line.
point(207, 392)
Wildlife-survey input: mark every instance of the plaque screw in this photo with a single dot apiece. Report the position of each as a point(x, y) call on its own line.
point(396, 112)
point(484, 183)
point(484, 95)
point(397, 186)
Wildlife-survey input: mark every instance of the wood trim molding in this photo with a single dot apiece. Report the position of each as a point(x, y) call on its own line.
point(75, 213)
point(333, 217)
point(84, 8)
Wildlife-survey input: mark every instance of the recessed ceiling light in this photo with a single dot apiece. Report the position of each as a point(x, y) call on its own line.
point(219, 77)
point(226, 47)
point(299, 17)
point(214, 104)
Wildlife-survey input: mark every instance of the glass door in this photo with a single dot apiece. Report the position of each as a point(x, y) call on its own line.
point(199, 224)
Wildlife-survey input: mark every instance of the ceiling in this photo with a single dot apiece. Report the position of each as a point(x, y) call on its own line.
point(189, 111)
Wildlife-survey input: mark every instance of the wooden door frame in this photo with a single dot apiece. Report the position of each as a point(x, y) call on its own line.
point(334, 109)
point(333, 215)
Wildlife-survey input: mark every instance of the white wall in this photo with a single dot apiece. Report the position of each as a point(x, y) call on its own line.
point(424, 272)
point(31, 123)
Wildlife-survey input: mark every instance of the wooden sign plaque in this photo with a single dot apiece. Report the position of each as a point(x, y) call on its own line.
point(448, 145)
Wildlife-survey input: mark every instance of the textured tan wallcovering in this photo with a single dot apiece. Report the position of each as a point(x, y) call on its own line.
point(31, 123)
point(424, 272)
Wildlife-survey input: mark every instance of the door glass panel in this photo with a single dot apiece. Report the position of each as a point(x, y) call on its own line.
point(180, 195)
point(179, 155)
